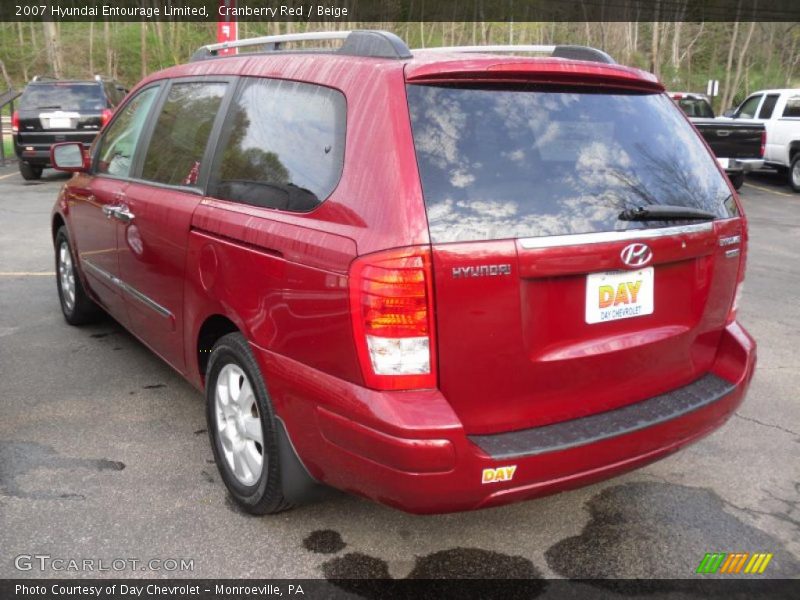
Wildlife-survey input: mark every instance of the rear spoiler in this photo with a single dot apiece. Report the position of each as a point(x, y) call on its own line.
point(516, 70)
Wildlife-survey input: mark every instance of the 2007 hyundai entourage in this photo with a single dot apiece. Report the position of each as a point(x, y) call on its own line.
point(442, 280)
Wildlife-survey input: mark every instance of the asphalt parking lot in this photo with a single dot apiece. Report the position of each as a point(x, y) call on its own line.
point(104, 454)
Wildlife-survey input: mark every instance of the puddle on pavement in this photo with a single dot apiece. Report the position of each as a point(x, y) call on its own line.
point(19, 458)
point(324, 541)
point(361, 574)
point(659, 530)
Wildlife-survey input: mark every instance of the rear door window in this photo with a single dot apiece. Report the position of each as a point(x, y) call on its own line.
point(118, 142)
point(792, 107)
point(768, 107)
point(522, 162)
point(282, 145)
point(179, 139)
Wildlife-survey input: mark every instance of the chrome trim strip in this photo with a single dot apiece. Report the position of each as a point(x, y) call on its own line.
point(146, 300)
point(732, 253)
point(599, 237)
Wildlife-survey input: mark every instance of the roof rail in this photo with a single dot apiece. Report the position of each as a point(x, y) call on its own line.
point(44, 78)
point(364, 42)
point(568, 52)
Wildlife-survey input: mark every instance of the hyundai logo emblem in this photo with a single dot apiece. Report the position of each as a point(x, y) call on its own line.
point(636, 255)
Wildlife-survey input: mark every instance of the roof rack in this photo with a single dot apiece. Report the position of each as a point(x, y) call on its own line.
point(363, 42)
point(568, 52)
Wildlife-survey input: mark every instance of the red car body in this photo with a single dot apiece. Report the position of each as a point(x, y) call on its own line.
point(509, 355)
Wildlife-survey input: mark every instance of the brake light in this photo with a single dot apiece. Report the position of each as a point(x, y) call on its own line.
point(15, 122)
point(105, 116)
point(763, 143)
point(737, 295)
point(391, 301)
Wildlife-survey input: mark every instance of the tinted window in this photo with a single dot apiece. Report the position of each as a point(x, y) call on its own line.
point(748, 108)
point(181, 133)
point(506, 163)
point(63, 96)
point(116, 147)
point(283, 145)
point(696, 107)
point(768, 106)
point(792, 107)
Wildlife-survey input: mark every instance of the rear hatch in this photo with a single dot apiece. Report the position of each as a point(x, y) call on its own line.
point(539, 318)
point(733, 139)
point(51, 112)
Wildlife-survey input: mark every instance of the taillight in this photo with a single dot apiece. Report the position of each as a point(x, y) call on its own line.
point(391, 301)
point(15, 122)
point(763, 143)
point(737, 296)
point(105, 116)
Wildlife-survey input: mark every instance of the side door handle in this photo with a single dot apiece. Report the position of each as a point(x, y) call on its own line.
point(120, 212)
point(124, 214)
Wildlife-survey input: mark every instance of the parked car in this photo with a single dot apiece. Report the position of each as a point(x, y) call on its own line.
point(55, 110)
point(779, 111)
point(739, 145)
point(440, 280)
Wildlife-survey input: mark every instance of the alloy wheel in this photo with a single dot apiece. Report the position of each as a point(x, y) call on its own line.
point(238, 424)
point(66, 276)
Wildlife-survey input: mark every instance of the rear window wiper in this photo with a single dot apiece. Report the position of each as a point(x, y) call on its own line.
point(665, 212)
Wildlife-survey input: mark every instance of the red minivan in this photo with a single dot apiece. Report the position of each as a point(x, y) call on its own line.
point(441, 279)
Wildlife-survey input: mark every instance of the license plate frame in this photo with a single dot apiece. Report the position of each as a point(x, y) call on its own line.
point(60, 123)
point(617, 295)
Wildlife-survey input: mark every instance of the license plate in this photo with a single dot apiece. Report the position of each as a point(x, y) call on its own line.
point(60, 123)
point(614, 295)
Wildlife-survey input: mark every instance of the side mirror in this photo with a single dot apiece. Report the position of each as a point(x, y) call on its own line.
point(70, 157)
point(730, 113)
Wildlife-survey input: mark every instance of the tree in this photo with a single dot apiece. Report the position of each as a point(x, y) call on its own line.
point(53, 44)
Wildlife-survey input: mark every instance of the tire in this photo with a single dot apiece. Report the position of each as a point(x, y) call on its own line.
point(30, 172)
point(77, 307)
point(794, 173)
point(236, 421)
point(737, 179)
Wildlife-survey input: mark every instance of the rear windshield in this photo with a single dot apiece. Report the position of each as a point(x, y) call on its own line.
point(527, 162)
point(63, 96)
point(696, 107)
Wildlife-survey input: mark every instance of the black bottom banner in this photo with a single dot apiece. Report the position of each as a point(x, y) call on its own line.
point(505, 589)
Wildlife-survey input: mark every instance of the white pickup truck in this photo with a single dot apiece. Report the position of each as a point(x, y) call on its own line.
point(779, 110)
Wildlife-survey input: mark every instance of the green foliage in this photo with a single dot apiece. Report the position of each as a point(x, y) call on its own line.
point(699, 54)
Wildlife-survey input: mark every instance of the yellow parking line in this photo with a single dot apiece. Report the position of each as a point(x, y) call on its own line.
point(771, 191)
point(27, 274)
point(7, 175)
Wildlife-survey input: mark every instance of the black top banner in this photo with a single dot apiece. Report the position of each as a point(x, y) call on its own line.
point(401, 10)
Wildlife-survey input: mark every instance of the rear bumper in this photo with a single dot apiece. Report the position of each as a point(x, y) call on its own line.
point(409, 450)
point(38, 154)
point(741, 165)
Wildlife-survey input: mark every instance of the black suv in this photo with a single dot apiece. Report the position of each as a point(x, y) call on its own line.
point(56, 110)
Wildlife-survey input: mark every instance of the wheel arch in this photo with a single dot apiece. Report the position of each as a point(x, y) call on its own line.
point(212, 329)
point(794, 148)
point(57, 223)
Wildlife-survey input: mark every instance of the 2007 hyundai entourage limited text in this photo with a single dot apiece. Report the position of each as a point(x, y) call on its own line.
point(444, 279)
